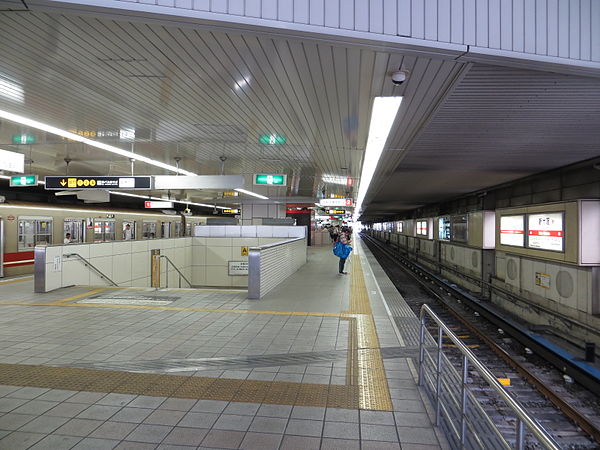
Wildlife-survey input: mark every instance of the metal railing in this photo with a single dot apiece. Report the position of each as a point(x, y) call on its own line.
point(181, 275)
point(89, 264)
point(456, 408)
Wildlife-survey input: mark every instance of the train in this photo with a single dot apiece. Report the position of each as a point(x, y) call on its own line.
point(25, 225)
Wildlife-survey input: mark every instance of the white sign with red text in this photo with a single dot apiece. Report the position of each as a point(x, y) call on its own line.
point(546, 231)
point(149, 204)
point(512, 230)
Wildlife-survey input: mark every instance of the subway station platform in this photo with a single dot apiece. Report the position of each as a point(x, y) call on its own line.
point(318, 363)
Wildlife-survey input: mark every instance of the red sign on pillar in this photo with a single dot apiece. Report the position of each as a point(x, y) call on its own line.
point(349, 181)
point(349, 202)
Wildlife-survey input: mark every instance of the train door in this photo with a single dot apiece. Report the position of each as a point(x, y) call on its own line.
point(33, 231)
point(177, 228)
point(104, 230)
point(148, 229)
point(132, 229)
point(76, 228)
point(165, 229)
point(189, 228)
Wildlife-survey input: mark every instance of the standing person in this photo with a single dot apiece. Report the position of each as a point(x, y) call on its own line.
point(127, 232)
point(67, 238)
point(342, 250)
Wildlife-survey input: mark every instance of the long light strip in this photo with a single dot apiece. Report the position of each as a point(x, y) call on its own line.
point(383, 116)
point(75, 137)
point(253, 194)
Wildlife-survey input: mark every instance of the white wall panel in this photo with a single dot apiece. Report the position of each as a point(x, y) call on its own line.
point(494, 32)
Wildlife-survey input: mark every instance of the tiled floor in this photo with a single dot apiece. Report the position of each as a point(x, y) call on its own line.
point(209, 335)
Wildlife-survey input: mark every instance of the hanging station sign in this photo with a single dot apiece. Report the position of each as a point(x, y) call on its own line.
point(78, 183)
point(270, 179)
point(158, 204)
point(23, 180)
point(336, 202)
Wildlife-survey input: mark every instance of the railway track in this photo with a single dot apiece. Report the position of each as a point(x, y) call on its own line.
point(568, 411)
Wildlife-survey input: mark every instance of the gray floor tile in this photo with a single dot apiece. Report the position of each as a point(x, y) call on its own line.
point(12, 421)
point(232, 422)
point(413, 420)
point(144, 401)
point(178, 404)
point(116, 399)
point(99, 412)
point(282, 411)
point(339, 444)
point(36, 407)
point(5, 389)
point(223, 439)
point(133, 415)
point(28, 393)
point(113, 430)
point(378, 433)
point(308, 412)
point(164, 417)
point(242, 409)
point(409, 446)
point(95, 444)
point(56, 442)
point(198, 420)
point(377, 417)
point(78, 427)
point(341, 430)
point(128, 445)
point(341, 415)
point(268, 425)
point(67, 409)
point(8, 404)
point(405, 394)
point(149, 433)
point(44, 424)
point(186, 436)
point(417, 435)
point(300, 443)
point(261, 441)
point(175, 447)
point(414, 406)
point(85, 397)
point(379, 445)
point(304, 427)
point(20, 440)
point(210, 406)
point(57, 395)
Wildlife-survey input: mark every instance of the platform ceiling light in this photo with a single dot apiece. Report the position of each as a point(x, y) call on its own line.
point(384, 113)
point(146, 197)
point(75, 137)
point(253, 194)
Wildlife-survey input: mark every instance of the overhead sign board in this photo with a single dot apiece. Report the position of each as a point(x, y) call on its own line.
point(160, 205)
point(231, 194)
point(198, 181)
point(336, 202)
point(512, 230)
point(545, 231)
point(231, 211)
point(272, 139)
point(23, 180)
point(336, 211)
point(12, 161)
point(127, 183)
point(270, 179)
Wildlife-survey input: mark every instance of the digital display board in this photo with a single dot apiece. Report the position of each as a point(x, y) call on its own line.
point(512, 230)
point(545, 231)
point(422, 227)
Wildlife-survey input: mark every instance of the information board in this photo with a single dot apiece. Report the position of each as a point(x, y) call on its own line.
point(238, 268)
point(545, 231)
point(444, 228)
point(422, 227)
point(78, 183)
point(512, 230)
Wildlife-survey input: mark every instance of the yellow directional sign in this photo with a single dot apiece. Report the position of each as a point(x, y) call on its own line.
point(79, 183)
point(72, 182)
point(231, 194)
point(244, 251)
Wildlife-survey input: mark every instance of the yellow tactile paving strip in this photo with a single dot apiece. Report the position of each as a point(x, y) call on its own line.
point(366, 384)
point(16, 280)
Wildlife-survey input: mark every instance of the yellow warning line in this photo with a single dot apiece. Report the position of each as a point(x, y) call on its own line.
point(76, 297)
point(18, 280)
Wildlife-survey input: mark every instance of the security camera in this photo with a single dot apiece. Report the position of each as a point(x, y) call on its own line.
point(399, 77)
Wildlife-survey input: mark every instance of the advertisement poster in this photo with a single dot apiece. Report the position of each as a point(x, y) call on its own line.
point(546, 231)
point(512, 230)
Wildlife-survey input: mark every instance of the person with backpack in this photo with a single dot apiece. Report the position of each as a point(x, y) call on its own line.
point(342, 250)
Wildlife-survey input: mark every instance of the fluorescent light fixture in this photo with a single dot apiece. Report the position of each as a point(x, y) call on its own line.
point(384, 113)
point(102, 146)
point(334, 179)
point(11, 90)
point(146, 197)
point(253, 194)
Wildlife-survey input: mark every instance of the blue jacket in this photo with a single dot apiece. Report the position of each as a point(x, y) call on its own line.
point(341, 250)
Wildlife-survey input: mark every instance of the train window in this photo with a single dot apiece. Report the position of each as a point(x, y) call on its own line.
point(104, 230)
point(34, 231)
point(132, 229)
point(76, 228)
point(148, 229)
point(165, 229)
point(177, 228)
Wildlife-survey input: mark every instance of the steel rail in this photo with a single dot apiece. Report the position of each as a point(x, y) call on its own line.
point(570, 411)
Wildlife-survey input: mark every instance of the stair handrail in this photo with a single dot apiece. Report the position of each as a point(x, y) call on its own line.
point(87, 263)
point(181, 275)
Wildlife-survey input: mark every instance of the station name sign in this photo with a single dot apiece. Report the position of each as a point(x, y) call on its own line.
point(152, 204)
point(336, 202)
point(78, 183)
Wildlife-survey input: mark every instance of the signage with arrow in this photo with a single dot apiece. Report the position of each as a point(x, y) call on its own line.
point(78, 183)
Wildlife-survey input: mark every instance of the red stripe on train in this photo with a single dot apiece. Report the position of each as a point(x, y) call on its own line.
point(18, 256)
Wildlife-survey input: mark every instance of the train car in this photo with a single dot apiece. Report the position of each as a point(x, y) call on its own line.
point(25, 225)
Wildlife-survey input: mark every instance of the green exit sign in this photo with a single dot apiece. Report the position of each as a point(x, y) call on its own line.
point(23, 180)
point(23, 139)
point(272, 139)
point(270, 179)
